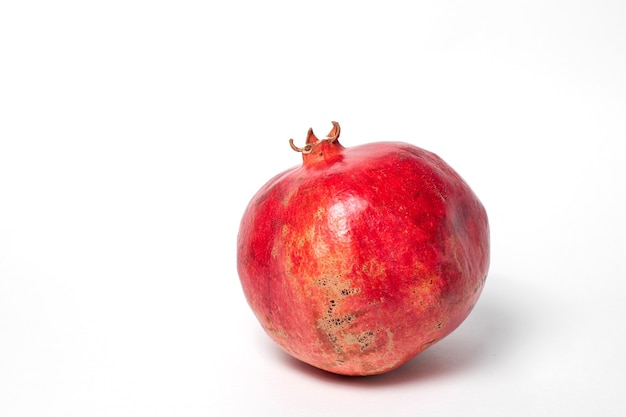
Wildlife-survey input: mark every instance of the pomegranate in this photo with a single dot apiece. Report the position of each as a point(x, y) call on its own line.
point(362, 257)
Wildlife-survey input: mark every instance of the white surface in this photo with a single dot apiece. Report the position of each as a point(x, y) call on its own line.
point(133, 134)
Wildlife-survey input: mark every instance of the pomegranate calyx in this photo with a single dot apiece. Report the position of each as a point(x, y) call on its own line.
point(312, 141)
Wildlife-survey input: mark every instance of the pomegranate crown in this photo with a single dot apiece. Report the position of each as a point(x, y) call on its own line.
point(312, 141)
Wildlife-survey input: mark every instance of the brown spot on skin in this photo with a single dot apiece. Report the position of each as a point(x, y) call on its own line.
point(389, 340)
point(364, 339)
point(335, 287)
point(373, 268)
point(430, 342)
point(287, 198)
point(349, 291)
point(319, 214)
point(334, 326)
point(453, 241)
point(270, 327)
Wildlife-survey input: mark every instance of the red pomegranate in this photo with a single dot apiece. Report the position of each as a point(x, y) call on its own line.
point(362, 257)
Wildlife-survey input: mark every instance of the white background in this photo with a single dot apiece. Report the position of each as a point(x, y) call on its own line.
point(133, 134)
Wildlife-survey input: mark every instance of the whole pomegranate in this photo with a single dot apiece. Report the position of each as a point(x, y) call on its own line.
point(362, 257)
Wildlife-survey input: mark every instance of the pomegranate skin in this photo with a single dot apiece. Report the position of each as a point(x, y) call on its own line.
point(362, 257)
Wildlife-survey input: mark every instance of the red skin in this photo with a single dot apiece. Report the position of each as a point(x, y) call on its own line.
point(362, 257)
